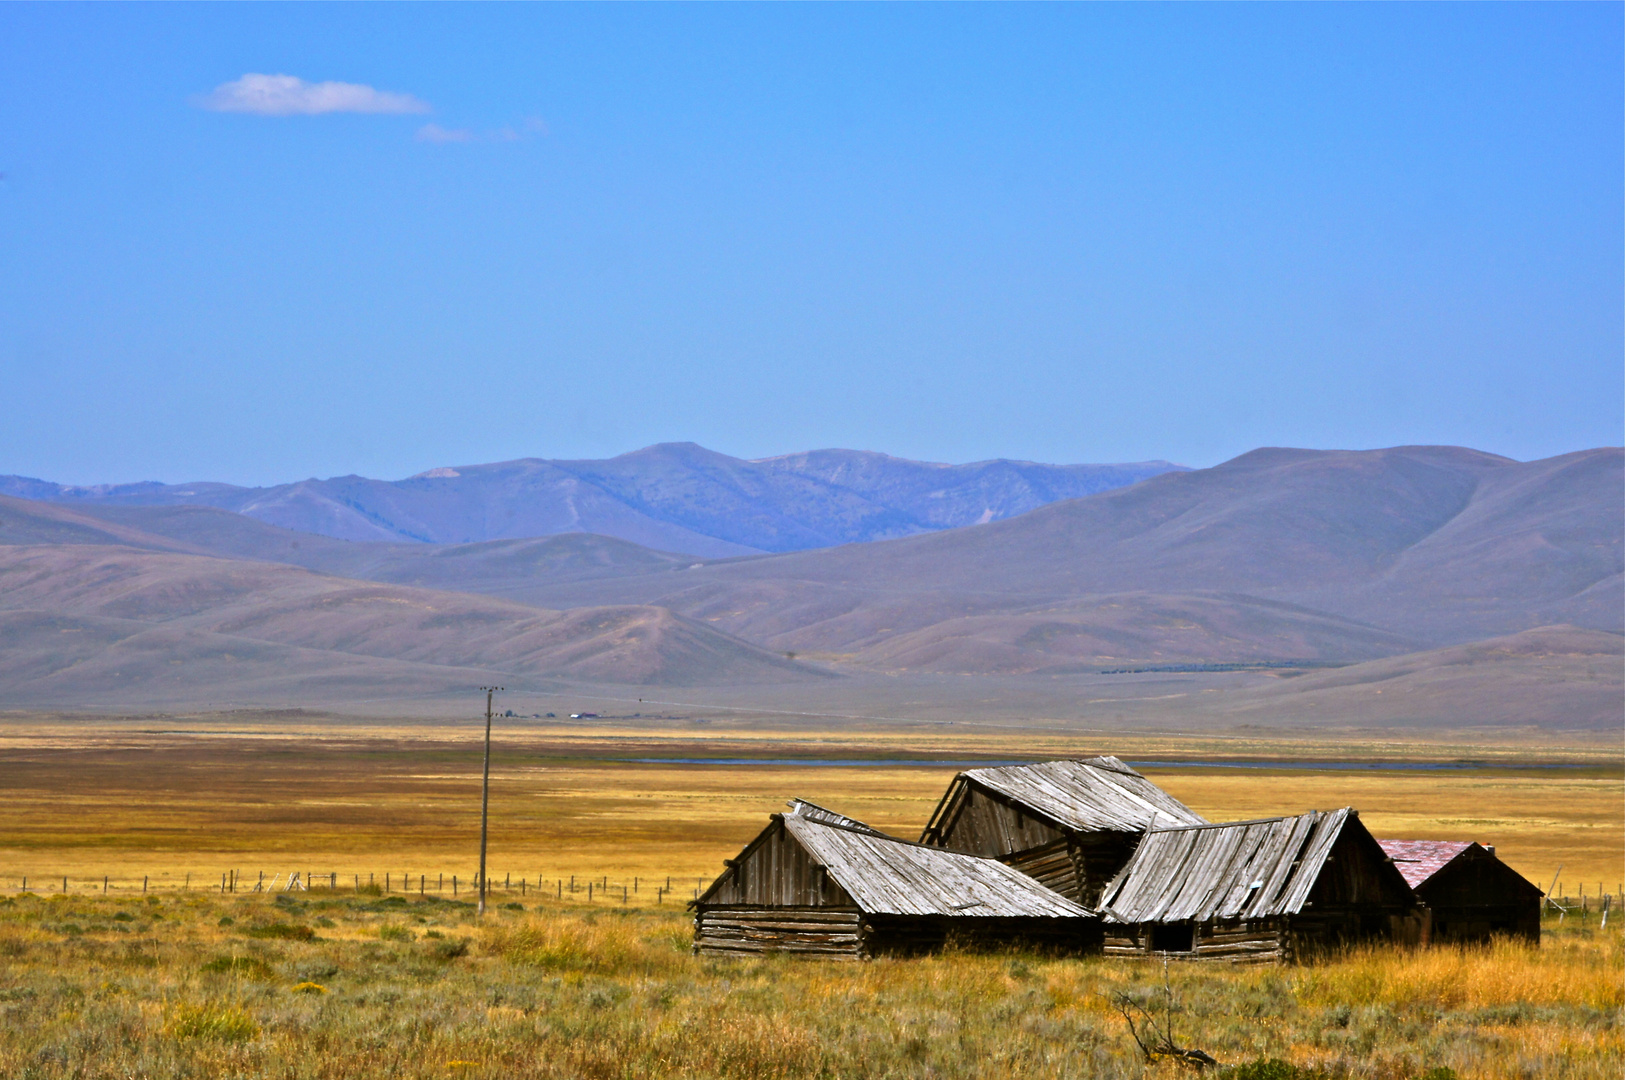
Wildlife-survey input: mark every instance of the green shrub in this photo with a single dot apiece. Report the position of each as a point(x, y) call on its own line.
point(1440, 1072)
point(448, 948)
point(1271, 1069)
point(283, 932)
point(395, 933)
point(249, 967)
point(224, 1023)
point(315, 971)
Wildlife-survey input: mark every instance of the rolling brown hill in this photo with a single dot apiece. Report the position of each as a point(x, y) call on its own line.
point(1277, 556)
point(1526, 679)
point(1427, 545)
point(78, 615)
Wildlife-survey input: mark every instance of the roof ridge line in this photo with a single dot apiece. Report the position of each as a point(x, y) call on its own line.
point(1248, 821)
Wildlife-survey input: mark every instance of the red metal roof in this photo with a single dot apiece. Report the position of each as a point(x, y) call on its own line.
point(1419, 860)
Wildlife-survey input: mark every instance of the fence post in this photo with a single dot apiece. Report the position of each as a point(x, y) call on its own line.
point(104, 884)
point(143, 884)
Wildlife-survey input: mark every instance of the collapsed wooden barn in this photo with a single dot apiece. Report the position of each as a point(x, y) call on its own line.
point(1071, 825)
point(817, 883)
point(1470, 895)
point(1258, 891)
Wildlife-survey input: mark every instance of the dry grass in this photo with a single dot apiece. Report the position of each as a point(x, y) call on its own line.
point(345, 985)
point(129, 988)
point(88, 799)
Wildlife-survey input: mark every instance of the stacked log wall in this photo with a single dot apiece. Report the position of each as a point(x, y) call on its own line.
point(1241, 942)
point(1259, 941)
point(1054, 866)
point(751, 931)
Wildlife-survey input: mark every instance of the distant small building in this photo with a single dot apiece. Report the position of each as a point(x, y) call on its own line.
point(1471, 895)
point(1071, 825)
point(1258, 891)
point(817, 883)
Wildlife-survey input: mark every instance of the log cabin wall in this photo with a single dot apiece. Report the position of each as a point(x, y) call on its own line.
point(1078, 865)
point(749, 931)
point(977, 822)
point(1233, 941)
point(777, 872)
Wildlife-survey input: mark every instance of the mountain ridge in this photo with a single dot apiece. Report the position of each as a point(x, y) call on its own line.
point(1281, 556)
point(670, 496)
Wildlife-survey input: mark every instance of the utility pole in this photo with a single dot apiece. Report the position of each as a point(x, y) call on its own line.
point(485, 790)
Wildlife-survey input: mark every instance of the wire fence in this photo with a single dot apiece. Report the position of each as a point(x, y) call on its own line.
point(599, 889)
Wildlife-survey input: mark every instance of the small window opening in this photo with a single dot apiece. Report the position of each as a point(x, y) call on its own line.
point(1173, 937)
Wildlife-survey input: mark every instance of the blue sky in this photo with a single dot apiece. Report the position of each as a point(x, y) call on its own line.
point(1061, 233)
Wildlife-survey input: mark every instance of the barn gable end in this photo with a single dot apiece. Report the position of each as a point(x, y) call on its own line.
point(1069, 824)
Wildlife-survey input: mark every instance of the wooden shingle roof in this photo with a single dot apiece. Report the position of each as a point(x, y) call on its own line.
point(1244, 869)
point(887, 876)
point(1088, 795)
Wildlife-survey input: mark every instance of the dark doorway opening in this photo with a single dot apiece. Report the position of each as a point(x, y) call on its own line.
point(1173, 937)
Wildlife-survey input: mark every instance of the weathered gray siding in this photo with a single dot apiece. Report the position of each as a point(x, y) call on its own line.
point(776, 871)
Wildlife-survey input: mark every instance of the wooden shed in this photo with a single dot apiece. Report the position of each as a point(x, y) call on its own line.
point(818, 883)
point(1257, 891)
point(1471, 895)
point(1069, 824)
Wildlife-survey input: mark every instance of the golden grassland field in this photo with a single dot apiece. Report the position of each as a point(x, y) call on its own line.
point(336, 985)
point(103, 981)
point(175, 797)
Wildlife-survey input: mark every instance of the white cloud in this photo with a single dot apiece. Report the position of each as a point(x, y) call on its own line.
point(288, 95)
point(436, 134)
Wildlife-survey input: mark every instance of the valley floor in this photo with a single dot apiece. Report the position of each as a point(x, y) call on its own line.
point(184, 799)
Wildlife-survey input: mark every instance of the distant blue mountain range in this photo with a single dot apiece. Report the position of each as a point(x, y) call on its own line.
point(673, 497)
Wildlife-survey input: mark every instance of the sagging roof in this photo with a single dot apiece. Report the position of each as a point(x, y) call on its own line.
point(1093, 794)
point(813, 812)
point(887, 876)
point(1418, 860)
point(1243, 869)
